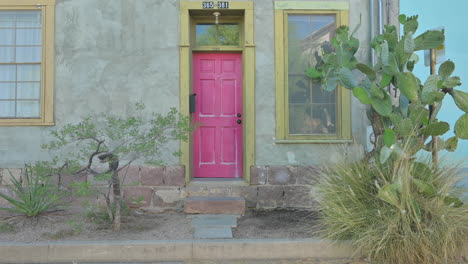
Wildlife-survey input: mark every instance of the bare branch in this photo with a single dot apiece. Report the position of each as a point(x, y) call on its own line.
point(91, 157)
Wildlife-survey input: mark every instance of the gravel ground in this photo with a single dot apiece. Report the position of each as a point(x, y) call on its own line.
point(71, 224)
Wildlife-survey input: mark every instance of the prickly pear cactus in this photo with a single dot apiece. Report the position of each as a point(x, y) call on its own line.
point(409, 123)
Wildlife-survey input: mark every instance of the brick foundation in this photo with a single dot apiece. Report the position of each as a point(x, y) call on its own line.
point(163, 188)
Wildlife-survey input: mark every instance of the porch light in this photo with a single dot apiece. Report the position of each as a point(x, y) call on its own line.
point(216, 14)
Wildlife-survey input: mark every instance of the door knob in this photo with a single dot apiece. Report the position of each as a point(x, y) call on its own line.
point(239, 121)
point(239, 115)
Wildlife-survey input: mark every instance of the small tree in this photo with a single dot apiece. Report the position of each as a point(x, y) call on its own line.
point(118, 142)
point(413, 119)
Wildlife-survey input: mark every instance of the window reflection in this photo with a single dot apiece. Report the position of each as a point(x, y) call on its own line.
point(221, 34)
point(311, 109)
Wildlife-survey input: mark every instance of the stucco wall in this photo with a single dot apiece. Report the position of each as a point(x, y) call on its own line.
point(113, 53)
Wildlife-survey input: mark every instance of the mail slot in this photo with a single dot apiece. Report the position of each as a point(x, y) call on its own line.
point(192, 103)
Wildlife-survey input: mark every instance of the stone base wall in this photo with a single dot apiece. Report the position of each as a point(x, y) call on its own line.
point(164, 188)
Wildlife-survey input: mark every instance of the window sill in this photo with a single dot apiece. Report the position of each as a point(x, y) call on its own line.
point(25, 123)
point(313, 141)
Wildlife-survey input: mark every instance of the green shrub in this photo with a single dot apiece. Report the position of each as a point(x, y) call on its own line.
point(402, 211)
point(33, 195)
point(118, 141)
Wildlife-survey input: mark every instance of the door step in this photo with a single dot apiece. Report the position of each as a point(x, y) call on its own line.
point(212, 232)
point(213, 226)
point(215, 205)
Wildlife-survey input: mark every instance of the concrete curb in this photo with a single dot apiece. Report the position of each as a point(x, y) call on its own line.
point(171, 250)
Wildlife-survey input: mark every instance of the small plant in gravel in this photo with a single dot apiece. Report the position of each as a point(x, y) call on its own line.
point(117, 142)
point(33, 194)
point(7, 228)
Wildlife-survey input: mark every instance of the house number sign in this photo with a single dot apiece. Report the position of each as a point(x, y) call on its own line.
point(211, 5)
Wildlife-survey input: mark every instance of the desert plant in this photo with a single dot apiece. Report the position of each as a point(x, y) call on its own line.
point(402, 211)
point(33, 194)
point(411, 119)
point(7, 228)
point(118, 142)
point(394, 208)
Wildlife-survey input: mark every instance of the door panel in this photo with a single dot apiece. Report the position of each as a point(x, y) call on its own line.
point(218, 139)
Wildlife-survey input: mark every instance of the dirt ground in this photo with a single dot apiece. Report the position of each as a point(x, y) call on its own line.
point(277, 224)
point(72, 224)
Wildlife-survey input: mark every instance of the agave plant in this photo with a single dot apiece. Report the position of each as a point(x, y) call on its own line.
point(395, 124)
point(33, 195)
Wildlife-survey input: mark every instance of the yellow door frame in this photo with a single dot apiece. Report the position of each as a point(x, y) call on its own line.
point(247, 47)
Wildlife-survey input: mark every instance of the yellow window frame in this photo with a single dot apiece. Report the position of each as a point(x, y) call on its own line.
point(282, 9)
point(47, 8)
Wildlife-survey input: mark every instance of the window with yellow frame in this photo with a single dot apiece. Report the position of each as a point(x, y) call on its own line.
point(26, 62)
point(305, 112)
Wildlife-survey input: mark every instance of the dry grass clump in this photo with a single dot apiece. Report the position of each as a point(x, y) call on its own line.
point(402, 211)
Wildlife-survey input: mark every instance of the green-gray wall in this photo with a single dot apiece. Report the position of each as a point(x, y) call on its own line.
point(113, 53)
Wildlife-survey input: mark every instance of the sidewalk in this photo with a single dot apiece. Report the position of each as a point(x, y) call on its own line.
point(204, 251)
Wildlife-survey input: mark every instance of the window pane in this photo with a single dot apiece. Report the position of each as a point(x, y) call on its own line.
point(299, 90)
point(27, 109)
point(7, 54)
point(322, 96)
point(7, 73)
point(28, 54)
point(7, 19)
point(28, 37)
point(221, 34)
point(7, 37)
point(29, 90)
point(7, 90)
point(7, 109)
point(306, 119)
point(29, 73)
point(311, 109)
point(28, 19)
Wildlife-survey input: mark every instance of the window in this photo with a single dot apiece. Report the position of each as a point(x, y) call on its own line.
point(305, 112)
point(26, 62)
point(207, 35)
point(220, 34)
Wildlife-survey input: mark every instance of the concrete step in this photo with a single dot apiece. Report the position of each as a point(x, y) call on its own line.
point(214, 220)
point(215, 205)
point(212, 232)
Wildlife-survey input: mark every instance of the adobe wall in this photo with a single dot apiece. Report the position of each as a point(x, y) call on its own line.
point(164, 188)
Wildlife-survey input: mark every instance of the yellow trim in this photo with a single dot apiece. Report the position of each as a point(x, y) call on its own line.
point(218, 48)
point(184, 78)
point(197, 5)
point(315, 141)
point(248, 57)
point(281, 77)
point(47, 63)
point(26, 2)
point(316, 5)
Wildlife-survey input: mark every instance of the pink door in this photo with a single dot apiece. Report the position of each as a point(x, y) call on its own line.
point(218, 139)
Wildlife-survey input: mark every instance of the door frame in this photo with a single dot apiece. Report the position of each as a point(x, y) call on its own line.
point(247, 48)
